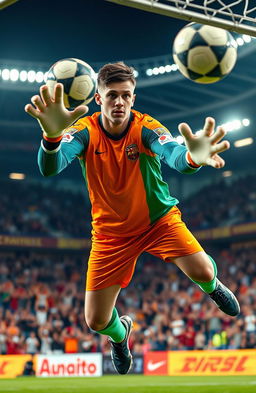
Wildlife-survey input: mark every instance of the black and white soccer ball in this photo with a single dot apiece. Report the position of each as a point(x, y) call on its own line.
point(204, 54)
point(78, 78)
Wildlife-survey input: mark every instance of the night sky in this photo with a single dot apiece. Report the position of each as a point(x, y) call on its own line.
point(96, 31)
point(93, 30)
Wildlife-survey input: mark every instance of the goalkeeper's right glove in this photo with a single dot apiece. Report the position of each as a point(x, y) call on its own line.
point(51, 113)
point(204, 147)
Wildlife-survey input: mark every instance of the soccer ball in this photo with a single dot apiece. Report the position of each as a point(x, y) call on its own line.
point(204, 54)
point(78, 79)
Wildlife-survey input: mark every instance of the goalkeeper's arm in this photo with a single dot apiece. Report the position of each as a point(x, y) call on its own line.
point(173, 154)
point(54, 156)
point(200, 150)
point(54, 119)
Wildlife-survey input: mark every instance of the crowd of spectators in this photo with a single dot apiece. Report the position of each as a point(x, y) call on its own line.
point(42, 305)
point(46, 211)
point(42, 294)
point(226, 203)
point(37, 210)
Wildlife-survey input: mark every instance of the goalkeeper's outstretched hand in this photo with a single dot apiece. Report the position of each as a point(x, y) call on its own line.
point(51, 113)
point(204, 148)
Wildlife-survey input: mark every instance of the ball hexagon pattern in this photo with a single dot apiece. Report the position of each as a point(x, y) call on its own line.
point(204, 54)
point(78, 79)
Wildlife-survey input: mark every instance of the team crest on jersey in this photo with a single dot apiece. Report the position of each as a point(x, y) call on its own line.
point(132, 152)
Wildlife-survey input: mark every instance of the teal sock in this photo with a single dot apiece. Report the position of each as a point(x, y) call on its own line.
point(208, 287)
point(115, 329)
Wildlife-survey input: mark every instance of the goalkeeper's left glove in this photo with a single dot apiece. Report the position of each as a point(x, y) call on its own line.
point(203, 148)
point(51, 113)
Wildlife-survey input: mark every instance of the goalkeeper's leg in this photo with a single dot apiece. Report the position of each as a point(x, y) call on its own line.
point(202, 270)
point(102, 317)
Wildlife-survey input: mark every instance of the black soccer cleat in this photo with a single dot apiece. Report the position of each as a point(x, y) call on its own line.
point(225, 299)
point(120, 352)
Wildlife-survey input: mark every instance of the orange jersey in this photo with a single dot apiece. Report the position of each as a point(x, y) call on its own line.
point(120, 175)
point(123, 173)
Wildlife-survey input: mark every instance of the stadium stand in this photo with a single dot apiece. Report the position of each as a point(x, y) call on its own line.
point(42, 291)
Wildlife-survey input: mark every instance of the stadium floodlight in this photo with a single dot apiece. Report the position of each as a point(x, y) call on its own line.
point(247, 38)
point(229, 126)
point(31, 76)
point(161, 69)
point(246, 122)
point(155, 71)
point(17, 176)
point(243, 142)
point(240, 41)
point(5, 74)
point(149, 72)
point(23, 76)
point(168, 68)
point(227, 173)
point(14, 75)
point(232, 125)
point(39, 77)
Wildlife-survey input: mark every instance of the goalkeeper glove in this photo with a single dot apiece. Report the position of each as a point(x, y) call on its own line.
point(203, 148)
point(51, 113)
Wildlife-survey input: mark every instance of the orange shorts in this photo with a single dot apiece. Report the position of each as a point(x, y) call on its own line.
point(112, 259)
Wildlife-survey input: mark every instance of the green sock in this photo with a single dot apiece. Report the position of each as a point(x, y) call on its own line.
point(208, 287)
point(115, 329)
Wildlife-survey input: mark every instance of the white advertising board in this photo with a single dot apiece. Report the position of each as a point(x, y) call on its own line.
point(74, 365)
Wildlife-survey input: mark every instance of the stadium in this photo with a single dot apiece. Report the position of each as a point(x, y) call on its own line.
point(180, 342)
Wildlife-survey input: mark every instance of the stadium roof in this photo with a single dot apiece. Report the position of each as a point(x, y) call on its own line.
point(99, 32)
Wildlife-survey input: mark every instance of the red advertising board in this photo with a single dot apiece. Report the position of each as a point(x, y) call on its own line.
point(155, 363)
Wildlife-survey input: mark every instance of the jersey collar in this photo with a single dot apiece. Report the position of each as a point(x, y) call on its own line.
point(118, 137)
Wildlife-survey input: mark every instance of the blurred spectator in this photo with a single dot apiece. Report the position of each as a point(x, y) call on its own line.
point(3, 341)
point(57, 343)
point(46, 340)
point(32, 344)
point(200, 340)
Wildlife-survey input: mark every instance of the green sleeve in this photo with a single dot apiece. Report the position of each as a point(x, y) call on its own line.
point(170, 152)
point(52, 162)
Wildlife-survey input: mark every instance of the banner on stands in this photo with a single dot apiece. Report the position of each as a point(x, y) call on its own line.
point(156, 363)
point(44, 242)
point(75, 365)
point(108, 368)
point(12, 366)
point(221, 362)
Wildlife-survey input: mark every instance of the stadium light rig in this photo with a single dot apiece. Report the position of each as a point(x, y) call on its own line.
point(239, 41)
point(227, 173)
point(38, 76)
point(230, 126)
point(15, 75)
point(17, 176)
point(243, 142)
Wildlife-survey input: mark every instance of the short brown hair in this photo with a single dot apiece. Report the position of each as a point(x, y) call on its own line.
point(115, 72)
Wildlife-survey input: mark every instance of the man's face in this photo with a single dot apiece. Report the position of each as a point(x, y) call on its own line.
point(116, 100)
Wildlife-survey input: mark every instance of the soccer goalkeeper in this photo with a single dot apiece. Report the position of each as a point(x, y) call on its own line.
point(119, 150)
